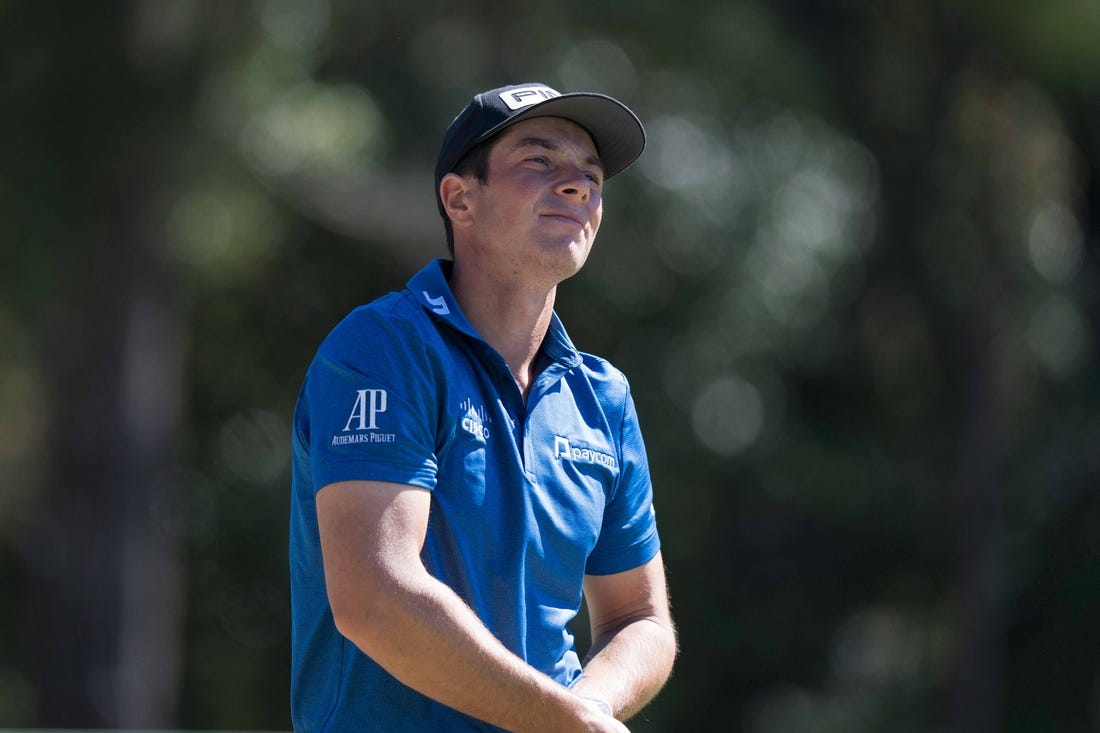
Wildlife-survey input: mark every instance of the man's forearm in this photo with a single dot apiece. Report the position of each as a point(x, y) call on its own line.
point(628, 666)
point(429, 639)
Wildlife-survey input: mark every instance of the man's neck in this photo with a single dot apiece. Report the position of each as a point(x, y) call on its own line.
point(513, 319)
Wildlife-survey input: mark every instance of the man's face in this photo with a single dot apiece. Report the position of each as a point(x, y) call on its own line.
point(541, 206)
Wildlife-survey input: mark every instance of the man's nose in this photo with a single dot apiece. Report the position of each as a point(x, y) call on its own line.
point(575, 183)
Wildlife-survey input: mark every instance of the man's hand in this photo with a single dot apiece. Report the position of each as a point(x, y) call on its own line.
point(601, 722)
point(598, 703)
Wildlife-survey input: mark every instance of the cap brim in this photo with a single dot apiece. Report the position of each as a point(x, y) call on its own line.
point(616, 131)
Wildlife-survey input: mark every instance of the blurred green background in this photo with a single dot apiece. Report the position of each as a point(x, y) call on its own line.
point(853, 281)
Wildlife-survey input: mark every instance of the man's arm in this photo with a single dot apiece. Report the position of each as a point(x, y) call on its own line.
point(633, 638)
point(416, 627)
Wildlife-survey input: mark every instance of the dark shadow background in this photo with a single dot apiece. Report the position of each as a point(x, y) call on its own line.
point(853, 281)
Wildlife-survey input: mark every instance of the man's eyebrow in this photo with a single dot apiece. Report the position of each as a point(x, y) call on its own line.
point(541, 142)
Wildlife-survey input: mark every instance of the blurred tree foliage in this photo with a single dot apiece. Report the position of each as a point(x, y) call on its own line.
point(853, 281)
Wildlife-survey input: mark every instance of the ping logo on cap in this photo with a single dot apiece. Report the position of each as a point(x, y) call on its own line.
point(526, 96)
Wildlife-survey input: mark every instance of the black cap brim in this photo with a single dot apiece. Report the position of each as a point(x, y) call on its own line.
point(615, 130)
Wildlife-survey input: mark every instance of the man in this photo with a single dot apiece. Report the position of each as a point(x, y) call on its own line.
point(462, 473)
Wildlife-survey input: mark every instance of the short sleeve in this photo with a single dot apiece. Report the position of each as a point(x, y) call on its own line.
point(629, 536)
point(367, 396)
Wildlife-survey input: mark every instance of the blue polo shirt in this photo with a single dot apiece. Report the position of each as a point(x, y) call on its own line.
point(527, 496)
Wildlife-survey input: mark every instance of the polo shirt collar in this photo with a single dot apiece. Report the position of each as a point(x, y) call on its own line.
point(431, 289)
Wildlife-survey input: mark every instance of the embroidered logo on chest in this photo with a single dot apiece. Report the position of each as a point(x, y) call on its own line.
point(475, 421)
point(566, 452)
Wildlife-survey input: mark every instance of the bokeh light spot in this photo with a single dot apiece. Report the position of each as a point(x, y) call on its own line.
point(728, 415)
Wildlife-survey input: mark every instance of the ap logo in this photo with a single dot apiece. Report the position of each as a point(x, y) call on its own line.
point(368, 404)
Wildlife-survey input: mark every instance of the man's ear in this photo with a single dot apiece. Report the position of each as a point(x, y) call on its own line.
point(454, 192)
